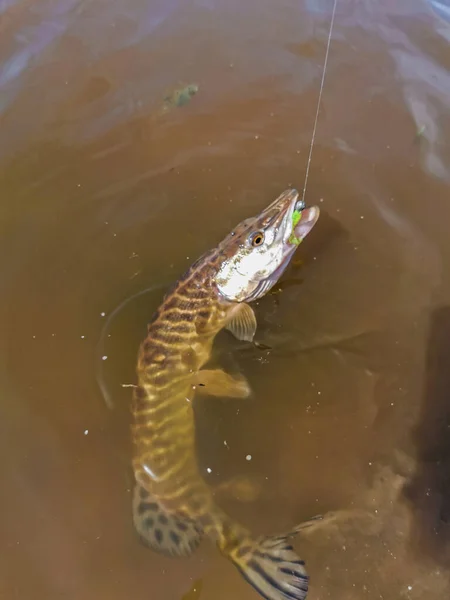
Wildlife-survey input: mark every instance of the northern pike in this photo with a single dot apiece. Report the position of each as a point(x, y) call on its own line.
point(173, 506)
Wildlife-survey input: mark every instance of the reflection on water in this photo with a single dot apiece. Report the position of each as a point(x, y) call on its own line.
point(105, 196)
point(441, 8)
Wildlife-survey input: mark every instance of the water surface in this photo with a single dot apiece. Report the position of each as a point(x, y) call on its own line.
point(105, 195)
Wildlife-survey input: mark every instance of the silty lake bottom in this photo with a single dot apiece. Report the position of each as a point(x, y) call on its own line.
point(111, 187)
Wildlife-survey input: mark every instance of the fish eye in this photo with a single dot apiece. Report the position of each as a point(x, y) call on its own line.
point(257, 238)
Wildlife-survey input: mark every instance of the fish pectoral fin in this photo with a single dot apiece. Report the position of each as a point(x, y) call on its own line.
point(161, 531)
point(242, 323)
point(215, 382)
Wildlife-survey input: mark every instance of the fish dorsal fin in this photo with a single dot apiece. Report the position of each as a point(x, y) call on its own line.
point(161, 531)
point(242, 323)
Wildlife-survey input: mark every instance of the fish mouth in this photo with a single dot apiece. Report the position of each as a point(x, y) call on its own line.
point(308, 218)
point(292, 217)
point(299, 220)
point(296, 219)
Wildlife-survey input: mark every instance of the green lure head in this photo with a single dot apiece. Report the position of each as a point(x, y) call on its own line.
point(296, 216)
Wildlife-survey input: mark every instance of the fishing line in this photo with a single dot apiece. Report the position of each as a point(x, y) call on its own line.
point(101, 342)
point(320, 97)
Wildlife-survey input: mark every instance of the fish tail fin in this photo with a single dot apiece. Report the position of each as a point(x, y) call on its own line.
point(164, 532)
point(272, 567)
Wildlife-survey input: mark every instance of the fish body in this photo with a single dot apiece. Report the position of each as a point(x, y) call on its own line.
point(173, 506)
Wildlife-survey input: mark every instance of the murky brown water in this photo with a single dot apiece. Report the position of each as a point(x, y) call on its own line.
point(104, 195)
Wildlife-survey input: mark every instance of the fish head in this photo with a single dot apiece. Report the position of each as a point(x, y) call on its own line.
point(260, 248)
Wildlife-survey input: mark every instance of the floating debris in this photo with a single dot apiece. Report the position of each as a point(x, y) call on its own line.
point(261, 346)
point(420, 134)
point(194, 592)
point(179, 97)
point(182, 96)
